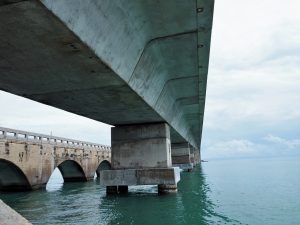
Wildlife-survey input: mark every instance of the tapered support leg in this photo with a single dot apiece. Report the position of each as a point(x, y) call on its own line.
point(123, 189)
point(111, 190)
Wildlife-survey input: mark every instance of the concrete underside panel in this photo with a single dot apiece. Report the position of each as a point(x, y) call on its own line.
point(71, 171)
point(119, 62)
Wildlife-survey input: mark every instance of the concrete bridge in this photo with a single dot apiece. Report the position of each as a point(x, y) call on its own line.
point(27, 160)
point(140, 66)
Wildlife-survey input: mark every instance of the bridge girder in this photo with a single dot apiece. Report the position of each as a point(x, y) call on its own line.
point(119, 62)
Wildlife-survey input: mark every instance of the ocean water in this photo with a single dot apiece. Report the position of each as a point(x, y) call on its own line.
point(252, 191)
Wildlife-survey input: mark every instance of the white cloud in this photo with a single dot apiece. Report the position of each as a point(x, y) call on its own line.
point(234, 147)
point(271, 146)
point(231, 149)
point(248, 32)
point(292, 144)
point(24, 114)
point(254, 75)
point(269, 93)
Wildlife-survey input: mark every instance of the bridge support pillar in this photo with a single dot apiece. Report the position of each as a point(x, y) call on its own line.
point(141, 155)
point(181, 156)
point(196, 156)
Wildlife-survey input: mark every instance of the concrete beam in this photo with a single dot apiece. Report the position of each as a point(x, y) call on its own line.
point(118, 62)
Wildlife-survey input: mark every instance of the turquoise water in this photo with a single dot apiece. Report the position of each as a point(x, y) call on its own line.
point(256, 191)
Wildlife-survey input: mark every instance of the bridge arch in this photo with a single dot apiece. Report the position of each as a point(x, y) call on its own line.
point(72, 171)
point(12, 177)
point(104, 165)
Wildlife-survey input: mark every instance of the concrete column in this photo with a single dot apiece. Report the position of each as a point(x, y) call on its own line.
point(197, 155)
point(192, 158)
point(141, 155)
point(181, 156)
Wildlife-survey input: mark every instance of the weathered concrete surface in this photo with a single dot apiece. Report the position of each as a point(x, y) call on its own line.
point(8, 216)
point(181, 156)
point(27, 160)
point(119, 62)
point(141, 155)
point(148, 176)
point(195, 156)
point(141, 146)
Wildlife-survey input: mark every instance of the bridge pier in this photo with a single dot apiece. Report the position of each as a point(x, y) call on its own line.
point(195, 156)
point(141, 155)
point(181, 156)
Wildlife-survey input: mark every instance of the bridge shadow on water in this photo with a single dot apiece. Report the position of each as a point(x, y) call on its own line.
point(86, 203)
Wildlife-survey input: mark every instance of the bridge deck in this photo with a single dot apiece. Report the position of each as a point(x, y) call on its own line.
point(118, 62)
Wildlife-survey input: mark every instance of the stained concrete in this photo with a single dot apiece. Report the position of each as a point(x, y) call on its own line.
point(141, 155)
point(141, 146)
point(27, 160)
point(182, 157)
point(119, 62)
point(129, 177)
point(195, 156)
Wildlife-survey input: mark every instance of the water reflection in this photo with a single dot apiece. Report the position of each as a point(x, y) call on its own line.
point(87, 203)
point(191, 205)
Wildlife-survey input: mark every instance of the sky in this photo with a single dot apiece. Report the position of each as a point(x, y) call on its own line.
point(253, 90)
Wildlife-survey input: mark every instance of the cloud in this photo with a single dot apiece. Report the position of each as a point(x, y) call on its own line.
point(231, 149)
point(254, 74)
point(262, 94)
point(268, 146)
point(292, 144)
point(24, 114)
point(249, 32)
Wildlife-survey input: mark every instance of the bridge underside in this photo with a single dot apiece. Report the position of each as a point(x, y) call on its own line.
point(118, 62)
point(72, 171)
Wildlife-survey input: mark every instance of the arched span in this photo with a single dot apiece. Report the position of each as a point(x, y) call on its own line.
point(12, 177)
point(104, 165)
point(71, 171)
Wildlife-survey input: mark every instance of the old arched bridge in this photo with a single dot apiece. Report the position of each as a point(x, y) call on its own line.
point(27, 160)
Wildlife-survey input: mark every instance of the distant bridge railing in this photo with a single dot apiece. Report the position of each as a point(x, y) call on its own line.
point(19, 135)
